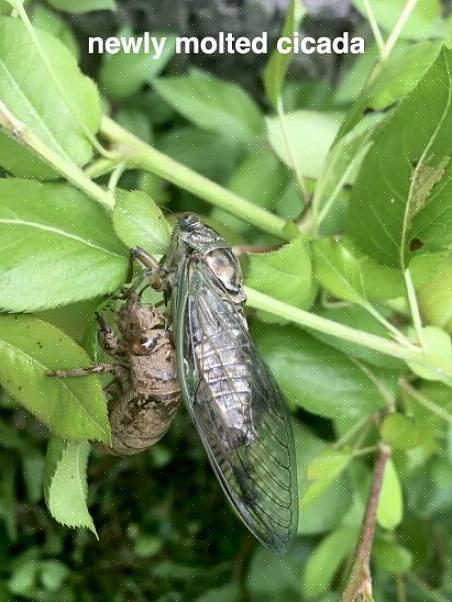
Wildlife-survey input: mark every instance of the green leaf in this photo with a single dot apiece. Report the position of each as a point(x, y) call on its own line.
point(123, 74)
point(392, 557)
point(270, 575)
point(276, 68)
point(259, 178)
point(355, 75)
point(322, 471)
point(424, 22)
point(390, 502)
point(435, 298)
point(51, 22)
point(138, 123)
point(309, 136)
point(65, 488)
point(401, 200)
point(23, 578)
point(225, 593)
point(326, 559)
point(75, 408)
point(33, 472)
point(319, 378)
point(333, 501)
point(213, 105)
point(22, 73)
point(82, 6)
point(342, 164)
point(398, 76)
point(400, 431)
point(330, 462)
point(56, 247)
point(8, 498)
point(438, 351)
point(207, 153)
point(139, 221)
point(285, 274)
point(53, 574)
point(349, 274)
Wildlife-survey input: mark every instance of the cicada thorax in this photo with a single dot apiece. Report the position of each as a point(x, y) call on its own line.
point(226, 368)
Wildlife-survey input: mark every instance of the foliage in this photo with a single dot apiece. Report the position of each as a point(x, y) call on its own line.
point(340, 207)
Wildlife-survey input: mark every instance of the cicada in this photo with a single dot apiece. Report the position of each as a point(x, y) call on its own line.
point(144, 393)
point(232, 397)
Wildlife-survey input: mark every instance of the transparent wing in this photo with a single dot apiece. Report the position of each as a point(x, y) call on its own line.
point(239, 412)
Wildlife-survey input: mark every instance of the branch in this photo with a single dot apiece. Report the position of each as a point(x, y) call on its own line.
point(138, 154)
point(360, 580)
point(22, 134)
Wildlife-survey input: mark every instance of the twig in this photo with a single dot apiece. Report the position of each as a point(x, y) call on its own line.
point(140, 155)
point(391, 41)
point(360, 580)
point(22, 134)
point(400, 589)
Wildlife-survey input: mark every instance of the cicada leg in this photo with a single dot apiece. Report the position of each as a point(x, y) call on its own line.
point(116, 370)
point(107, 338)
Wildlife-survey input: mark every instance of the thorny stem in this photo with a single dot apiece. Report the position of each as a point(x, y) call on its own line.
point(360, 581)
point(19, 132)
point(138, 154)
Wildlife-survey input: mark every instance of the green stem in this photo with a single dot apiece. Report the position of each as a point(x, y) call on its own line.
point(414, 307)
point(138, 154)
point(374, 26)
point(393, 37)
point(304, 318)
point(19, 132)
point(101, 167)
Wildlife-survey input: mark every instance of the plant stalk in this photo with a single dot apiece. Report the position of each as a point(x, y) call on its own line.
point(22, 134)
point(263, 302)
point(138, 154)
point(360, 580)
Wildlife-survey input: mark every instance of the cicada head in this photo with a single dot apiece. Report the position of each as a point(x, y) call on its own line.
point(196, 235)
point(139, 324)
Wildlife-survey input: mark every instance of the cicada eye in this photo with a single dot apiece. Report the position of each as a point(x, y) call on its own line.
point(186, 220)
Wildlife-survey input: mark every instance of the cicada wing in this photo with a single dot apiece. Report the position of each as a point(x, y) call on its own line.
point(239, 413)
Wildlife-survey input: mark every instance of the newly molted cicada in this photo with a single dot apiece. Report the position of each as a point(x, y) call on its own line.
point(144, 393)
point(232, 397)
